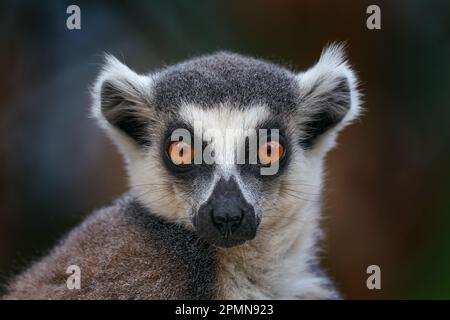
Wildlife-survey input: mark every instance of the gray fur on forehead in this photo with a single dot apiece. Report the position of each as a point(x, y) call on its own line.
point(225, 78)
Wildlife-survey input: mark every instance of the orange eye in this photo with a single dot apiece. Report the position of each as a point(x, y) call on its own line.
point(181, 153)
point(270, 152)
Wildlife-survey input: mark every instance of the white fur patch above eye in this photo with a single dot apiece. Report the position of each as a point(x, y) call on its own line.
point(224, 126)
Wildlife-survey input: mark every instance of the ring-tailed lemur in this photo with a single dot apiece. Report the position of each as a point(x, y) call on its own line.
point(208, 230)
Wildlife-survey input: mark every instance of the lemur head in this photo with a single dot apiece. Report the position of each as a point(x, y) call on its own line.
point(227, 145)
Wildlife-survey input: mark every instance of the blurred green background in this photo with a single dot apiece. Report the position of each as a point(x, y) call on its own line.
point(388, 182)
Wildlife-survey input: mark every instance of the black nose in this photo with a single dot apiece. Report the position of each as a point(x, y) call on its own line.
point(226, 218)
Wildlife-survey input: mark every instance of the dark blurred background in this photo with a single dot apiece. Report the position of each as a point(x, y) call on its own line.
point(388, 186)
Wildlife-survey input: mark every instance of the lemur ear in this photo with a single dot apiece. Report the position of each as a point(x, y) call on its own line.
point(329, 98)
point(121, 102)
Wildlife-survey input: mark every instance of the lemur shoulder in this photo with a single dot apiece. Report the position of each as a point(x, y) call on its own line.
point(198, 230)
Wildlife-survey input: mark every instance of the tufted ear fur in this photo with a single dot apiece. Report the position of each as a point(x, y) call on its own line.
point(329, 99)
point(122, 105)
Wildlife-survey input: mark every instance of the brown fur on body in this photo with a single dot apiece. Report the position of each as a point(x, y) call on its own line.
point(124, 252)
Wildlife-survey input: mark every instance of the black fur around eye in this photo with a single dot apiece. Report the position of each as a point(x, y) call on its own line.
point(170, 159)
point(270, 152)
point(255, 168)
point(282, 157)
point(181, 153)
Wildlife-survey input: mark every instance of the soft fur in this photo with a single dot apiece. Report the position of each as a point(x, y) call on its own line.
point(145, 245)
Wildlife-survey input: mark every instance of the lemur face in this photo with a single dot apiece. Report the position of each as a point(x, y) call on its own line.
point(226, 145)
